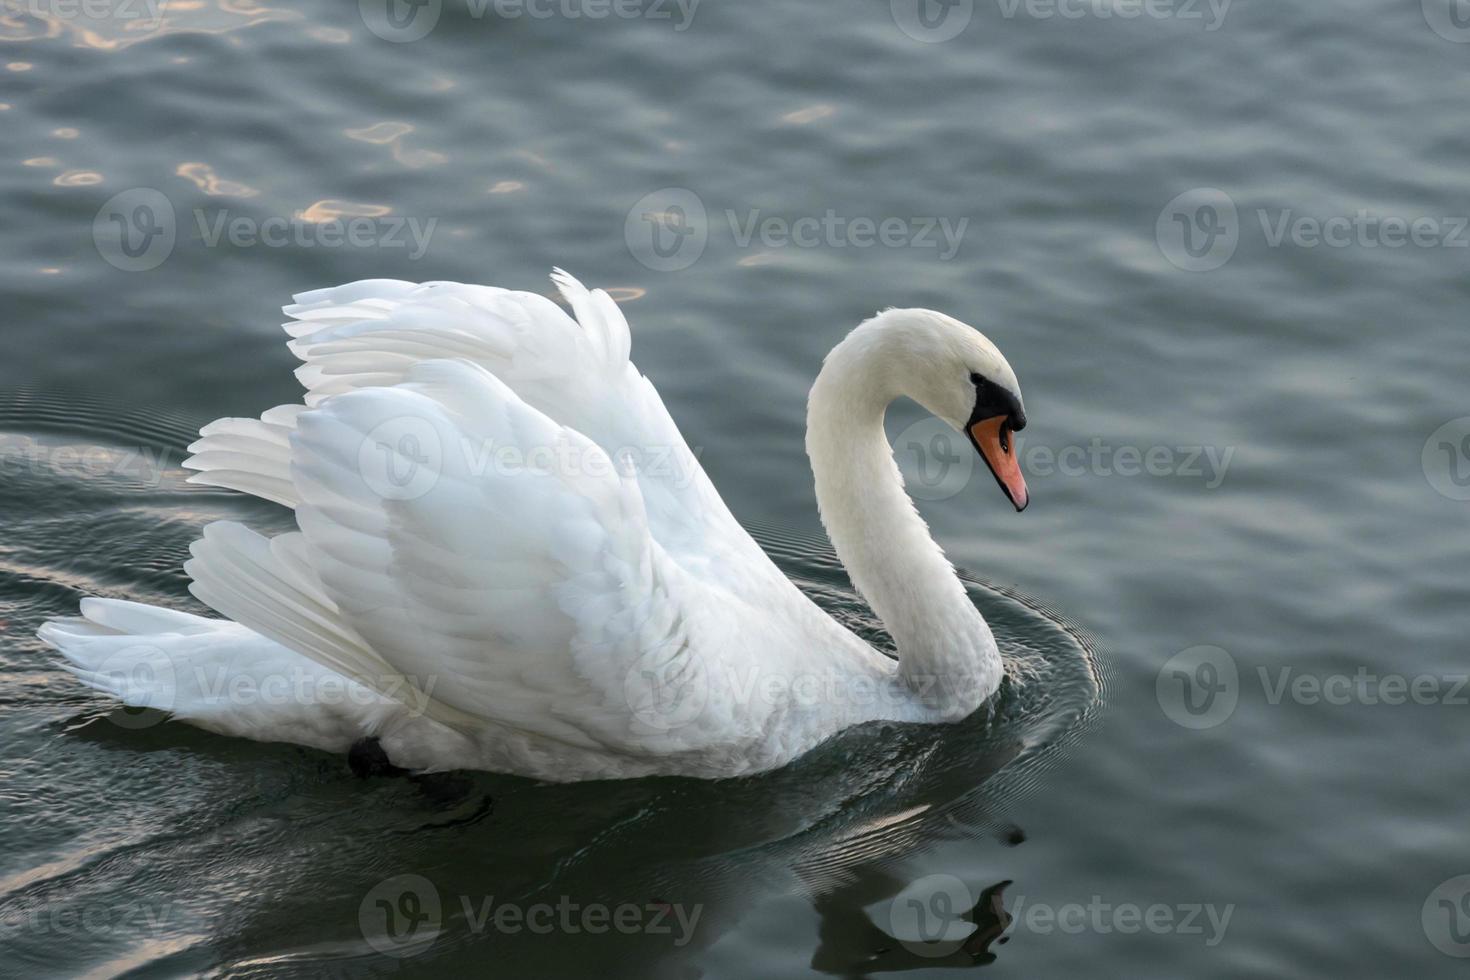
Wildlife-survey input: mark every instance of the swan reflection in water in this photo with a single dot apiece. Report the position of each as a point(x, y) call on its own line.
point(846, 933)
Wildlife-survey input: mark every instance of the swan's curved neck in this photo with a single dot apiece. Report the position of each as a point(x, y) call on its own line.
point(946, 651)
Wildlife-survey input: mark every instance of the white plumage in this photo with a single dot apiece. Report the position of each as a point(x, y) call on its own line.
point(509, 559)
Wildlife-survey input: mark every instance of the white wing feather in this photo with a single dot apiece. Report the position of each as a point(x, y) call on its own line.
point(371, 334)
point(494, 504)
point(249, 455)
point(533, 595)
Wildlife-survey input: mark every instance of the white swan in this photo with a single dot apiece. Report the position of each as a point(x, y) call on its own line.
point(509, 559)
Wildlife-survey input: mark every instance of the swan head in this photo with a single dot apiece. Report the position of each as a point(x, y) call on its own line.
point(957, 374)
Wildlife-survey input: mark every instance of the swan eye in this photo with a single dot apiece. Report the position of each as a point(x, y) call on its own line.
point(975, 377)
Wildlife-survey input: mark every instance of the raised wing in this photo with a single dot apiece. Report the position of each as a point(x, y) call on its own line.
point(453, 535)
point(372, 333)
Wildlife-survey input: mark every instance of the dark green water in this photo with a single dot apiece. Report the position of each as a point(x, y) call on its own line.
point(1225, 249)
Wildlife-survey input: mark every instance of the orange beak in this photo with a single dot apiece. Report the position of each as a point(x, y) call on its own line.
point(992, 438)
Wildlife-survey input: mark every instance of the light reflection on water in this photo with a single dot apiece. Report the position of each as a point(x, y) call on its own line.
point(115, 25)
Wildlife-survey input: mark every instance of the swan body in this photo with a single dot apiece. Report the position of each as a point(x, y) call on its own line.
point(507, 557)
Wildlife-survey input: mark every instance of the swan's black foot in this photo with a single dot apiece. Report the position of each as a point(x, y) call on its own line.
point(367, 758)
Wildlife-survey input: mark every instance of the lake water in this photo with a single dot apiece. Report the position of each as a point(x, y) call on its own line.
point(1225, 247)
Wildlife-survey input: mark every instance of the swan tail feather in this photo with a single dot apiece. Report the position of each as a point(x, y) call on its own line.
point(266, 585)
point(117, 647)
point(214, 674)
point(105, 647)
